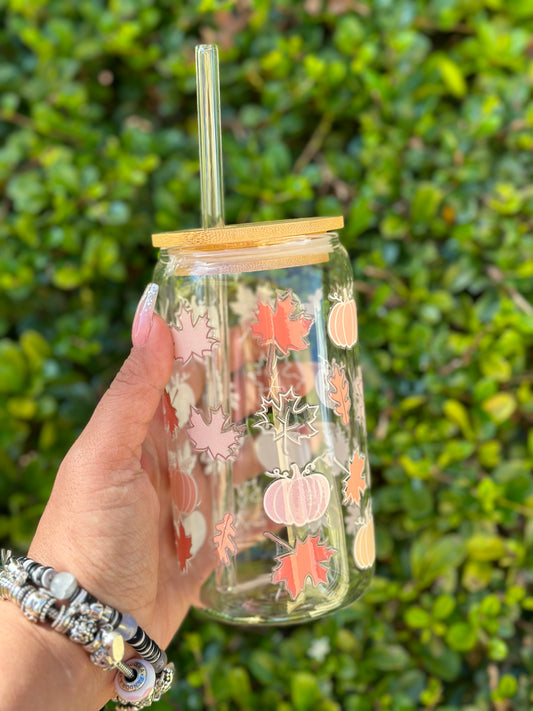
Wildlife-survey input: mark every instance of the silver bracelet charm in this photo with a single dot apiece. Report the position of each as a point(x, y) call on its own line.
point(44, 595)
point(129, 693)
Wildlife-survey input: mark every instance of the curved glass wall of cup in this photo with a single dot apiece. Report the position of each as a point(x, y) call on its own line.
point(265, 427)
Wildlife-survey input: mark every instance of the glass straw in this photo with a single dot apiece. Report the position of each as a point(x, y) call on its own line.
point(210, 136)
point(212, 196)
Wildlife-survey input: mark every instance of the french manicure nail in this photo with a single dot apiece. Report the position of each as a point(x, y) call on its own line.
point(142, 323)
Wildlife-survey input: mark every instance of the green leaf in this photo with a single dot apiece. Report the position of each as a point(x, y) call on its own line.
point(35, 348)
point(497, 650)
point(484, 548)
point(490, 453)
point(417, 499)
point(239, 687)
point(500, 407)
point(476, 575)
point(417, 618)
point(360, 218)
point(507, 687)
point(507, 199)
point(490, 606)
point(305, 693)
point(461, 636)
point(417, 469)
point(425, 203)
point(67, 277)
point(389, 657)
point(28, 192)
point(12, 368)
point(23, 408)
point(442, 662)
point(348, 34)
point(443, 607)
point(457, 413)
point(495, 366)
point(262, 666)
point(430, 559)
point(452, 76)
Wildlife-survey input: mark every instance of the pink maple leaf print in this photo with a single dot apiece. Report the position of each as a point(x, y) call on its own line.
point(192, 337)
point(216, 436)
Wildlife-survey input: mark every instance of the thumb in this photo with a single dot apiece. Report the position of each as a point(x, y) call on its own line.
point(114, 435)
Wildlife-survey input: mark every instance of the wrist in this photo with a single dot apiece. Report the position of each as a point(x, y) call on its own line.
point(43, 669)
point(46, 596)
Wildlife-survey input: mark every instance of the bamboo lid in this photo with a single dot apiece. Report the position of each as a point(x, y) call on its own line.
point(246, 234)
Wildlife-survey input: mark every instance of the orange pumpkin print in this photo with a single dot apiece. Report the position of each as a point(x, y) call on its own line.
point(184, 491)
point(342, 321)
point(364, 547)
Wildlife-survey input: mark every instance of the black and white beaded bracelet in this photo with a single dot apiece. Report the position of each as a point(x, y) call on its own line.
point(45, 595)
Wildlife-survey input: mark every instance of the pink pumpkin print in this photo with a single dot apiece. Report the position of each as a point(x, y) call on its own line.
point(342, 322)
point(297, 500)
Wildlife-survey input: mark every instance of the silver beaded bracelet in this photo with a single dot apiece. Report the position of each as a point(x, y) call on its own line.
point(45, 595)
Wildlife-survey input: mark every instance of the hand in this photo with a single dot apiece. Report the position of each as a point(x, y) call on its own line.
point(109, 517)
point(108, 520)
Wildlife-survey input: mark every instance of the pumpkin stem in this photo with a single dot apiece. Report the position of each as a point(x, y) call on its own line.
point(296, 473)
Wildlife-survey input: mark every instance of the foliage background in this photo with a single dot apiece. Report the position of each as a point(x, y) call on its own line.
point(413, 118)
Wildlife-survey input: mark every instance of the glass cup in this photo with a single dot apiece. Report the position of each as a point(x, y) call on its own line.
point(265, 425)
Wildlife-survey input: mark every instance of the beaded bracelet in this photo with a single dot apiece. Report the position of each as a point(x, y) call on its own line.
point(45, 595)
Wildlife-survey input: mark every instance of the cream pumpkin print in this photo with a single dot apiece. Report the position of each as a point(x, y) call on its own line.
point(364, 546)
point(298, 499)
point(342, 321)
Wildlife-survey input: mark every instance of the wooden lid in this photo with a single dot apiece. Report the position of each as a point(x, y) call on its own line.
point(246, 234)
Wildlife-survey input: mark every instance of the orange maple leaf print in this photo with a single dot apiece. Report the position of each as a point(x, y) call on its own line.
point(183, 546)
point(285, 327)
point(224, 540)
point(355, 483)
point(169, 414)
point(339, 393)
point(303, 562)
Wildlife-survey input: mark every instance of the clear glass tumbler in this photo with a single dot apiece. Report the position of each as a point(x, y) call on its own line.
point(265, 426)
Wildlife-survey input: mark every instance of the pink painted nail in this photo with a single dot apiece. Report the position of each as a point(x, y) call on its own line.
point(142, 323)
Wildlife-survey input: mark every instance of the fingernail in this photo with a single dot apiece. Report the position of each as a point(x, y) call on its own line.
point(142, 323)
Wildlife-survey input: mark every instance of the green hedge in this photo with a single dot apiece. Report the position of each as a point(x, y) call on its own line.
point(413, 118)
